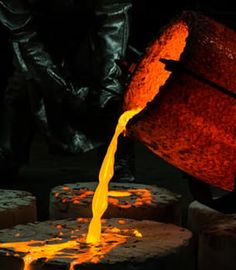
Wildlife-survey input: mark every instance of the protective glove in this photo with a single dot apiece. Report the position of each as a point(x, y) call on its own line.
point(31, 56)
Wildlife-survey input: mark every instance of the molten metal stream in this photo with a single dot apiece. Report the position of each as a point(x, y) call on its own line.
point(100, 198)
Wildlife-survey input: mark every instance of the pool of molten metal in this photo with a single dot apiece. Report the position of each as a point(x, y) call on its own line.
point(67, 244)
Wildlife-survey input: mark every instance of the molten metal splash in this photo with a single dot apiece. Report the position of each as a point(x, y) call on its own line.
point(76, 250)
point(100, 198)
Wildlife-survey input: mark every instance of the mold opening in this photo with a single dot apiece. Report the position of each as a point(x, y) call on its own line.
point(150, 74)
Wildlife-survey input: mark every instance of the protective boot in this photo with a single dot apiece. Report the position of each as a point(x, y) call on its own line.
point(124, 170)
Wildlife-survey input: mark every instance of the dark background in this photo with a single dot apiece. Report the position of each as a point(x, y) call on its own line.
point(46, 171)
point(150, 15)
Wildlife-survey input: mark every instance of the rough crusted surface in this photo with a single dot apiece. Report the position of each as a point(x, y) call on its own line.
point(16, 207)
point(192, 127)
point(164, 205)
point(191, 124)
point(161, 245)
point(212, 50)
point(217, 246)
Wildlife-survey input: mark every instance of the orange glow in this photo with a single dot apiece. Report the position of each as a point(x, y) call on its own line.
point(143, 197)
point(150, 73)
point(66, 188)
point(117, 198)
point(121, 221)
point(100, 198)
point(77, 250)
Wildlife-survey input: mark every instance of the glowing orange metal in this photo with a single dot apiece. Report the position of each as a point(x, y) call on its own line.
point(100, 198)
point(31, 251)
